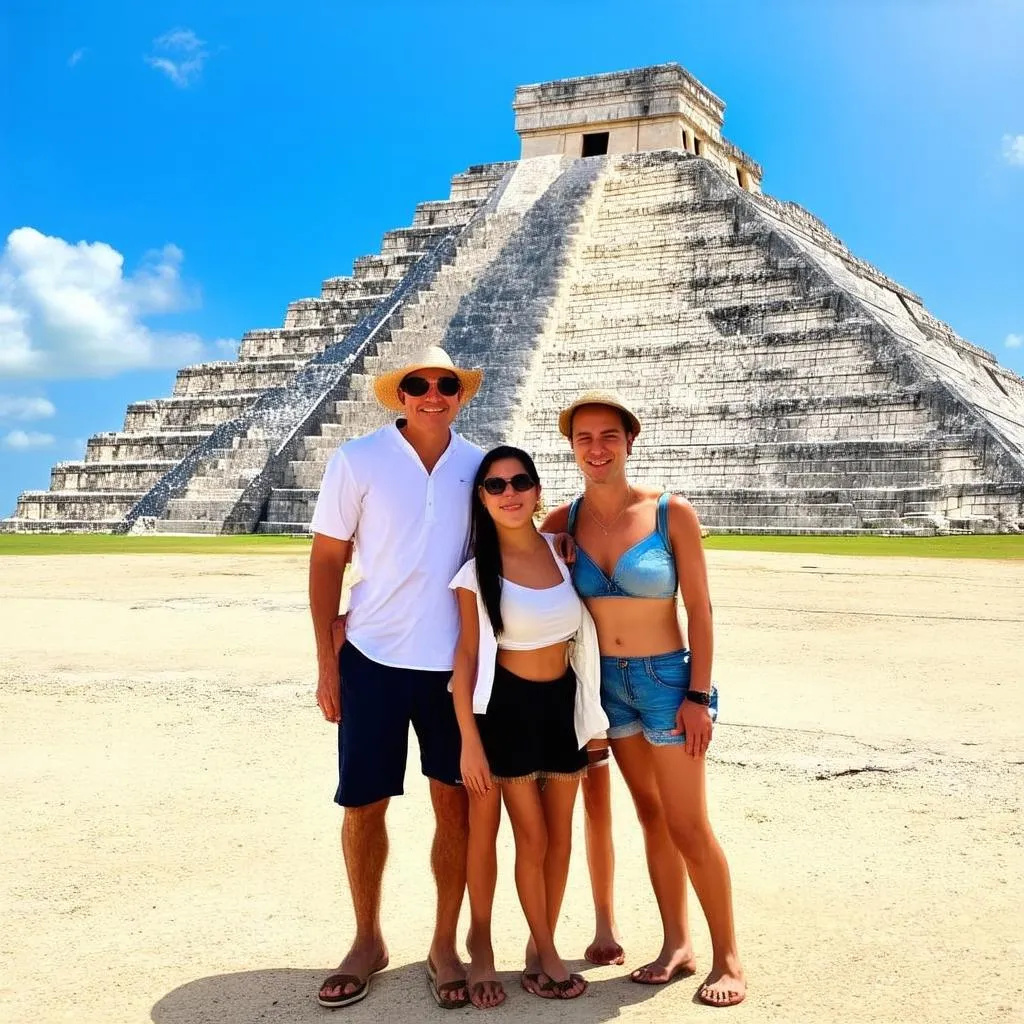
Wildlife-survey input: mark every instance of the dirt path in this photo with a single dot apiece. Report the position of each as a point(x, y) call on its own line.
point(170, 847)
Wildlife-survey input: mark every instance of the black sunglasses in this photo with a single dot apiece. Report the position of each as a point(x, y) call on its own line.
point(496, 484)
point(417, 387)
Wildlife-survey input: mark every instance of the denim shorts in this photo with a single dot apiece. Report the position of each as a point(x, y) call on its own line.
point(644, 694)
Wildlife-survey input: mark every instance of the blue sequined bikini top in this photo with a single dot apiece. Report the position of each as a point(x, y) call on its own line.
point(647, 569)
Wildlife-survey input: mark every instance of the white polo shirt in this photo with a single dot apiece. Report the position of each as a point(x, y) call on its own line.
point(410, 530)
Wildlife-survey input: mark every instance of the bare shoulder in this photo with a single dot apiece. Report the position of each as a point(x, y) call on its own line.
point(557, 520)
point(682, 516)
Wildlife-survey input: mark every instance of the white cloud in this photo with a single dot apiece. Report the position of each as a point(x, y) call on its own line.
point(1014, 340)
point(13, 407)
point(226, 348)
point(1013, 149)
point(76, 56)
point(21, 440)
point(180, 54)
point(70, 310)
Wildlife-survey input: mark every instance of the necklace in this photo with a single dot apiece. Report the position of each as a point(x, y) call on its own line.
point(605, 527)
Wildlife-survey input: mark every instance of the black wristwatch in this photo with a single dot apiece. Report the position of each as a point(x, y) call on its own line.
point(699, 697)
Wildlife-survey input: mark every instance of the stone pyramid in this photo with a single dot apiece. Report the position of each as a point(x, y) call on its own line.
point(784, 385)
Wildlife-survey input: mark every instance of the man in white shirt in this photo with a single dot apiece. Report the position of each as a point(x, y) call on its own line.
point(401, 497)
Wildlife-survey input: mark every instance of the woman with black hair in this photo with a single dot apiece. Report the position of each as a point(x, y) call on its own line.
point(526, 685)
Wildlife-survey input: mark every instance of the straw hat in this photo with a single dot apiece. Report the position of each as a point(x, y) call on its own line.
point(609, 398)
point(385, 385)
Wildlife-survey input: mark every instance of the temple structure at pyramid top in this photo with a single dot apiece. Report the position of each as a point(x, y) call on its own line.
point(659, 107)
point(784, 384)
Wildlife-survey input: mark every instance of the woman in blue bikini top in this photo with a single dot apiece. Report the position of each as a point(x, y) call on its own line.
point(636, 548)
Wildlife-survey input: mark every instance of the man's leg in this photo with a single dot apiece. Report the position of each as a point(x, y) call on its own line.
point(364, 843)
point(448, 860)
point(372, 743)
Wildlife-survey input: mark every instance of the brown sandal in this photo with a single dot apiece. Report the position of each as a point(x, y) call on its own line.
point(551, 989)
point(346, 998)
point(443, 993)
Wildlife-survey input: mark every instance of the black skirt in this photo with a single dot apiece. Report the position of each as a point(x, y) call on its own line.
point(528, 731)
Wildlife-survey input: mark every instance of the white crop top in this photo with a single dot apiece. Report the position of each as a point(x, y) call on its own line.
point(538, 618)
point(589, 718)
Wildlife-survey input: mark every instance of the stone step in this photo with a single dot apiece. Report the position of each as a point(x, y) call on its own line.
point(109, 476)
point(212, 508)
point(780, 315)
point(413, 240)
point(312, 313)
point(291, 505)
point(446, 213)
point(286, 528)
point(98, 506)
point(287, 342)
point(190, 412)
point(349, 287)
point(391, 267)
point(222, 378)
point(117, 446)
point(670, 386)
point(693, 342)
point(642, 209)
point(187, 527)
point(40, 526)
point(479, 181)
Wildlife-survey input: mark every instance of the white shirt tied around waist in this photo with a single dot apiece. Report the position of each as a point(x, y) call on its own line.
point(410, 530)
point(584, 657)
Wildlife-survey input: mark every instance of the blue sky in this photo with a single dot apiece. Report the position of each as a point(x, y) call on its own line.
point(235, 154)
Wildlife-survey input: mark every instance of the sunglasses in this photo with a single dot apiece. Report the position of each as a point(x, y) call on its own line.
point(417, 387)
point(496, 484)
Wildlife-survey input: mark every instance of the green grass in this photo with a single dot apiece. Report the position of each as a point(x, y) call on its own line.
point(107, 544)
point(999, 547)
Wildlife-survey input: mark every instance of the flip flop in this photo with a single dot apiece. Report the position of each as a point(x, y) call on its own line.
point(557, 989)
point(441, 993)
point(680, 971)
point(340, 981)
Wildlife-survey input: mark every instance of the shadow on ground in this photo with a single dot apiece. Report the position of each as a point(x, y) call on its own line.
point(397, 996)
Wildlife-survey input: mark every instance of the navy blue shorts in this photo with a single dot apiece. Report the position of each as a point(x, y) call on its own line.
point(378, 703)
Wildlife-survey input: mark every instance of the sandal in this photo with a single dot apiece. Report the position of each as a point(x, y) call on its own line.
point(551, 989)
point(346, 998)
point(443, 993)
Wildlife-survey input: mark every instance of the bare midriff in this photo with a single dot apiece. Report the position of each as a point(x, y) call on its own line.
point(637, 627)
point(543, 665)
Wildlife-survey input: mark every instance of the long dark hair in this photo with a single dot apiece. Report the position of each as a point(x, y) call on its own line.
point(483, 537)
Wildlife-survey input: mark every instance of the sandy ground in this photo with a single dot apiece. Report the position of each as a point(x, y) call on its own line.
point(170, 849)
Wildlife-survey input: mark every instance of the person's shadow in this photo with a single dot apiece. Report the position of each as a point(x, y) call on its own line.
point(397, 996)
